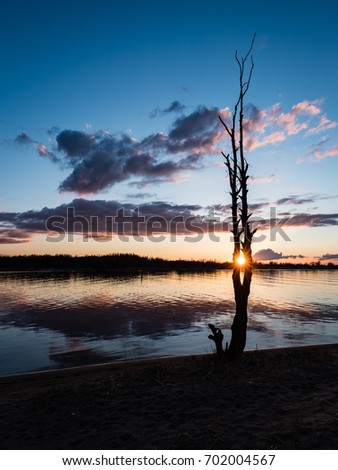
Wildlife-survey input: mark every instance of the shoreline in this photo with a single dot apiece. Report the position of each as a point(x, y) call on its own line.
point(120, 363)
point(278, 398)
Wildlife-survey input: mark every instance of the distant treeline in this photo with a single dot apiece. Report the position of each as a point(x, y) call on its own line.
point(113, 262)
point(129, 263)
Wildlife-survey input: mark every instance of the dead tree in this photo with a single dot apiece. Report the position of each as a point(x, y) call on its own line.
point(237, 168)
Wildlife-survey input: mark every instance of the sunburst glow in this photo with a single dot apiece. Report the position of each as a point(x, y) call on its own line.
point(241, 260)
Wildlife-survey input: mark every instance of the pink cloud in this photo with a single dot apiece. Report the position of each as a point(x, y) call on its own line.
point(323, 125)
point(309, 108)
point(317, 153)
point(289, 123)
point(14, 236)
point(264, 179)
point(327, 153)
point(42, 150)
point(257, 123)
point(252, 143)
point(225, 113)
point(272, 125)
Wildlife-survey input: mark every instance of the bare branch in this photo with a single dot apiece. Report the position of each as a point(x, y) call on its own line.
point(246, 85)
point(251, 46)
point(225, 126)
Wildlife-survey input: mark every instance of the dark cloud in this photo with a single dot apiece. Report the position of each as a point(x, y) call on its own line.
point(196, 133)
point(144, 165)
point(270, 255)
point(295, 199)
point(100, 160)
point(23, 139)
point(313, 220)
point(109, 160)
point(96, 217)
point(226, 208)
point(266, 255)
point(328, 256)
point(174, 107)
point(155, 142)
point(193, 124)
point(255, 207)
point(85, 217)
point(97, 172)
point(140, 195)
point(75, 143)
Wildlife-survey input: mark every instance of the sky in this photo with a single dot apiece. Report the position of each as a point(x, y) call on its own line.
point(110, 140)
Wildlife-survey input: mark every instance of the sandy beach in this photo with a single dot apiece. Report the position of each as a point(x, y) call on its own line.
point(270, 399)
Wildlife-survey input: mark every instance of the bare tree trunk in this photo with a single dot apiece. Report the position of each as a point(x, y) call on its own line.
point(237, 167)
point(239, 324)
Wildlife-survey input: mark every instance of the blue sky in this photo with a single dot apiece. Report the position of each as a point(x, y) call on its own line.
point(107, 105)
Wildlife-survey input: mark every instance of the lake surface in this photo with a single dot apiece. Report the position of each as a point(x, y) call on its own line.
point(54, 320)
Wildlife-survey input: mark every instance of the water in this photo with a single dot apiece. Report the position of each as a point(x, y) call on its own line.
point(53, 320)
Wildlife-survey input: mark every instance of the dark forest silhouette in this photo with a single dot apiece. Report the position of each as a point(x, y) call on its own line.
point(117, 262)
point(130, 263)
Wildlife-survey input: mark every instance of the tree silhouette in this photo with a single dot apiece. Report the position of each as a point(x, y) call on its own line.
point(237, 168)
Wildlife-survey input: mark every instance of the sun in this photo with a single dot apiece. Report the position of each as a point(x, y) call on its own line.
point(241, 260)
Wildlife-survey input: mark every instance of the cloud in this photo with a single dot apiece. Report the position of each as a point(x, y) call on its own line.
point(84, 216)
point(323, 125)
point(321, 155)
point(272, 125)
point(262, 179)
point(313, 220)
point(252, 143)
point(270, 255)
point(101, 160)
point(328, 256)
point(197, 133)
point(14, 236)
point(97, 164)
point(174, 107)
point(105, 220)
point(140, 195)
point(309, 108)
point(23, 139)
point(96, 217)
point(155, 181)
point(266, 255)
point(44, 152)
point(75, 143)
point(296, 199)
point(225, 209)
point(319, 151)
